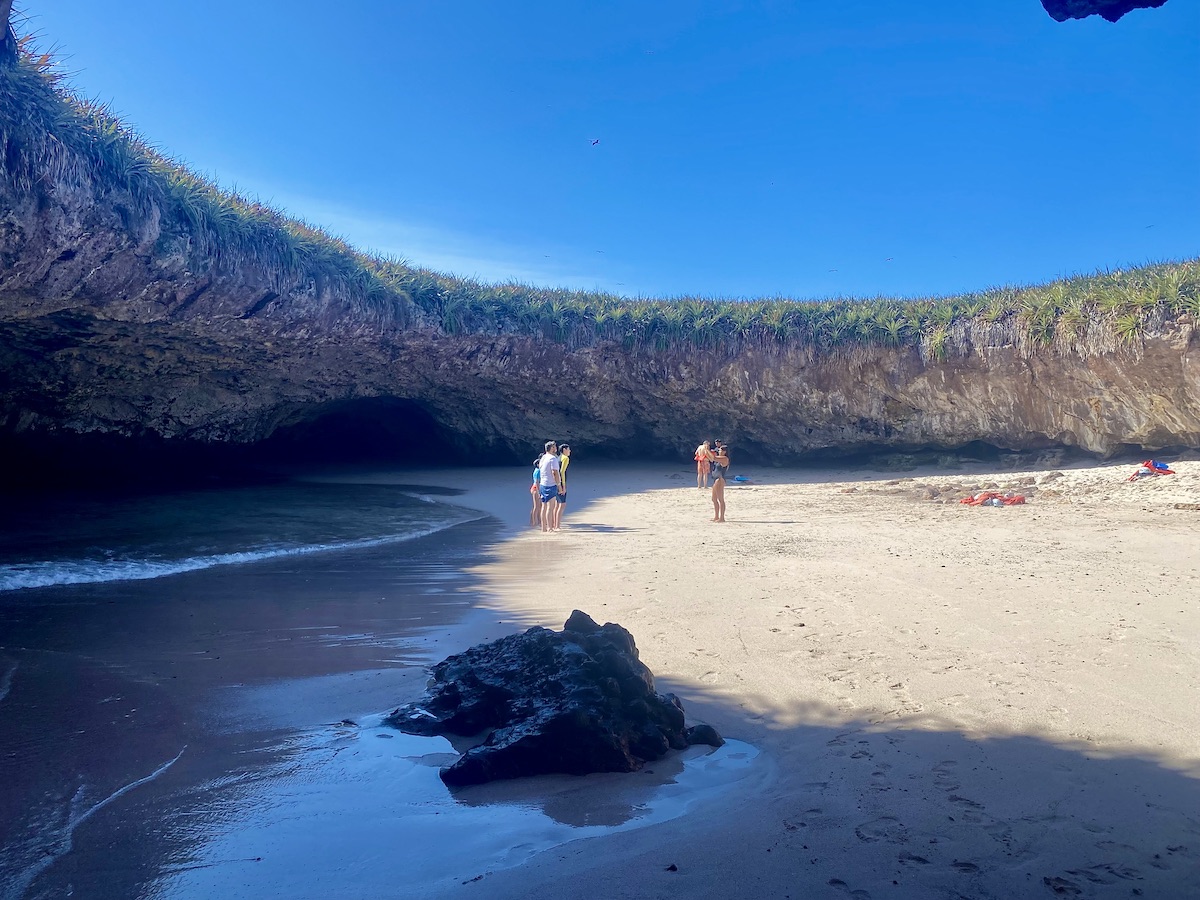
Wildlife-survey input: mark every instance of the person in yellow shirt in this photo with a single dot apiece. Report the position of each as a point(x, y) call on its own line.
point(564, 460)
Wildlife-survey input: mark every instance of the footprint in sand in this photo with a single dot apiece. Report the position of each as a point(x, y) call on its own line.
point(1063, 886)
point(885, 828)
point(971, 812)
point(944, 775)
point(963, 801)
point(845, 889)
point(1107, 873)
point(838, 740)
point(710, 677)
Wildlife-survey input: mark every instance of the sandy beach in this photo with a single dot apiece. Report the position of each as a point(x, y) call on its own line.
point(921, 699)
point(949, 701)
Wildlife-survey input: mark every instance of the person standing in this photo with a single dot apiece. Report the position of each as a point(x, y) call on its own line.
point(720, 467)
point(551, 480)
point(703, 464)
point(535, 511)
point(564, 460)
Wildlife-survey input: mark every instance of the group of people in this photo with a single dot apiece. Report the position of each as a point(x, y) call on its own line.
point(548, 492)
point(549, 489)
point(712, 464)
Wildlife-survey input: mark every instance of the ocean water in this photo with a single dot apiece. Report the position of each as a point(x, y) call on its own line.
point(157, 651)
point(191, 688)
point(60, 541)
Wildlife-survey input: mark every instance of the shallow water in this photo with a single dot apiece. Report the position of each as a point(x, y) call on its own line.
point(174, 735)
point(397, 831)
point(51, 541)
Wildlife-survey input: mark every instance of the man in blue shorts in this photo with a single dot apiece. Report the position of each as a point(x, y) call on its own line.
point(551, 471)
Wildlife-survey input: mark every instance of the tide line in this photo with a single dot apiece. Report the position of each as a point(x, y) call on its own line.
point(21, 576)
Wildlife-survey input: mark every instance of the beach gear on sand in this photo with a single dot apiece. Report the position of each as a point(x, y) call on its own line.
point(1151, 467)
point(994, 498)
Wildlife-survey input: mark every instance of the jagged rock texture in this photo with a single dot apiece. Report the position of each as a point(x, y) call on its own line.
point(1061, 10)
point(574, 702)
point(112, 322)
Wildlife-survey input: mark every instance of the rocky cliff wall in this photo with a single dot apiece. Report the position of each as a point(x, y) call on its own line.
point(119, 318)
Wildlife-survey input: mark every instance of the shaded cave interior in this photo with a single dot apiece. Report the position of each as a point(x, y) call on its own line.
point(392, 432)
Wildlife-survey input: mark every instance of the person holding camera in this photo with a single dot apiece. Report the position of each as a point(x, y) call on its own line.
point(720, 468)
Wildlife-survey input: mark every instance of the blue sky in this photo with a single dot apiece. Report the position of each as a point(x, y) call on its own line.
point(745, 149)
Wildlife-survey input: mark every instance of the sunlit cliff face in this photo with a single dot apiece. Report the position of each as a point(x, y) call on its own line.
point(124, 323)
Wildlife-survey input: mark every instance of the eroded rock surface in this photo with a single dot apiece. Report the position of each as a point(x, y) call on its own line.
point(119, 322)
point(574, 701)
point(1061, 10)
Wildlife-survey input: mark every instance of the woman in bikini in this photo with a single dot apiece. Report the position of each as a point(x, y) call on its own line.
point(703, 462)
point(720, 466)
point(535, 514)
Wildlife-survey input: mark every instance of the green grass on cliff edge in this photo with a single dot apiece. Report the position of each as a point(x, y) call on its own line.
point(46, 129)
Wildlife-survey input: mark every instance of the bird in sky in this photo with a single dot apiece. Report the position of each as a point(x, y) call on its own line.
point(889, 259)
point(595, 141)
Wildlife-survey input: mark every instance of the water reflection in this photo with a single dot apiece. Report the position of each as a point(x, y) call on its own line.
point(343, 800)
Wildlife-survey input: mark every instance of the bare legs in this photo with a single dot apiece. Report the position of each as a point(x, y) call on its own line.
point(718, 500)
point(701, 474)
point(535, 514)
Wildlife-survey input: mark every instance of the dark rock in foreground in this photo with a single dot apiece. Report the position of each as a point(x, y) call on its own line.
point(1061, 10)
point(573, 701)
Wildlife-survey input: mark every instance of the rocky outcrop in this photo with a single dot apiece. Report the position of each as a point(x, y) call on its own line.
point(213, 382)
point(573, 702)
point(1061, 10)
point(121, 321)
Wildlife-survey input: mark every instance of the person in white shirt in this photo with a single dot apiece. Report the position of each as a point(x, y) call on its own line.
point(551, 472)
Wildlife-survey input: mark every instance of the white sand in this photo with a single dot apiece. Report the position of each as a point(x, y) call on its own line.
point(950, 701)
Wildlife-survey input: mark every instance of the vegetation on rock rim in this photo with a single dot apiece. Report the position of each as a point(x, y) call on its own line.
point(46, 128)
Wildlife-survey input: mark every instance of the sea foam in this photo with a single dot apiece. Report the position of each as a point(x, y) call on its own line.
point(20, 576)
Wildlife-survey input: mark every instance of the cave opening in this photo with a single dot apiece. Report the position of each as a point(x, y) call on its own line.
point(370, 430)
